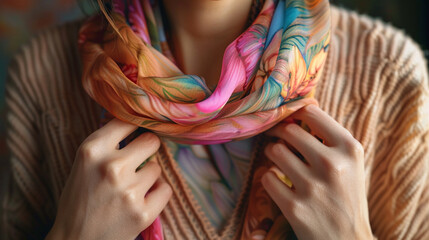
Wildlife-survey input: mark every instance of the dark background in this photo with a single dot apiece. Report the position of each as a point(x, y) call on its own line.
point(409, 15)
point(20, 19)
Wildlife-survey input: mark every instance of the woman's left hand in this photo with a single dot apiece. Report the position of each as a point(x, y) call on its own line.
point(328, 199)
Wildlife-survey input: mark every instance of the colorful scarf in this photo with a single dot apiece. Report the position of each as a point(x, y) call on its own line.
point(268, 72)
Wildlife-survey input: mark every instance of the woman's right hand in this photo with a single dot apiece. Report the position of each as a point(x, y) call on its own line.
point(104, 197)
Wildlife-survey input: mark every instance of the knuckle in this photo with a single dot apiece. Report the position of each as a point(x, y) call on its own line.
point(276, 149)
point(129, 197)
point(111, 171)
point(267, 180)
point(326, 161)
point(168, 190)
point(155, 168)
point(89, 150)
point(142, 218)
point(94, 136)
point(290, 128)
point(152, 139)
point(308, 110)
point(354, 148)
point(267, 149)
point(270, 150)
point(332, 166)
point(339, 169)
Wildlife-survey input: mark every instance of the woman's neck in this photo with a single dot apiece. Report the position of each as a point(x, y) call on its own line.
point(201, 31)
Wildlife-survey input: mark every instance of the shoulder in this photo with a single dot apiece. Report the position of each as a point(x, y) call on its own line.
point(45, 62)
point(43, 80)
point(377, 86)
point(44, 84)
point(370, 44)
point(374, 74)
point(375, 58)
point(49, 45)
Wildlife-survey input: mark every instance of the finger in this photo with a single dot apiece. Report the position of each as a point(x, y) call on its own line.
point(288, 162)
point(305, 143)
point(140, 149)
point(279, 192)
point(322, 125)
point(148, 175)
point(157, 198)
point(114, 132)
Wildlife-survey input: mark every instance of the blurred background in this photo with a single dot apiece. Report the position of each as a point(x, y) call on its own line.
point(21, 19)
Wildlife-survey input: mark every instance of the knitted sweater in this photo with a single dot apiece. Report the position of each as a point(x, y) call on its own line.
point(375, 83)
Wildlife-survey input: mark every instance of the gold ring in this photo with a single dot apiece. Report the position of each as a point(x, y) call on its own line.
point(281, 176)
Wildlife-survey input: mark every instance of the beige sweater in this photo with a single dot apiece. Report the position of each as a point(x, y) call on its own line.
point(375, 84)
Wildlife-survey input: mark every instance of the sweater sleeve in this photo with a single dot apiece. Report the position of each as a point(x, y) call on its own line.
point(398, 192)
point(27, 201)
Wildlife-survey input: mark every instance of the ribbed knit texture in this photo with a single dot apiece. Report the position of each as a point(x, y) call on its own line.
point(375, 84)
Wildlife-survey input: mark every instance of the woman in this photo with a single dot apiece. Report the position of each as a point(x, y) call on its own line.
point(368, 179)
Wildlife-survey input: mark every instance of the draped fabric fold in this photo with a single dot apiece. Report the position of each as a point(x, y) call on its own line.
point(268, 72)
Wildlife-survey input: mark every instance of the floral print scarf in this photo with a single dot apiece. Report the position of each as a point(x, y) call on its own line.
point(268, 72)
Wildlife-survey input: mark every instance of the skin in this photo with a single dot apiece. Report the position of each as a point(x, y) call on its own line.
point(328, 198)
point(104, 198)
point(201, 30)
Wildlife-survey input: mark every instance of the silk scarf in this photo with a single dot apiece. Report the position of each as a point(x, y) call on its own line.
point(268, 72)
